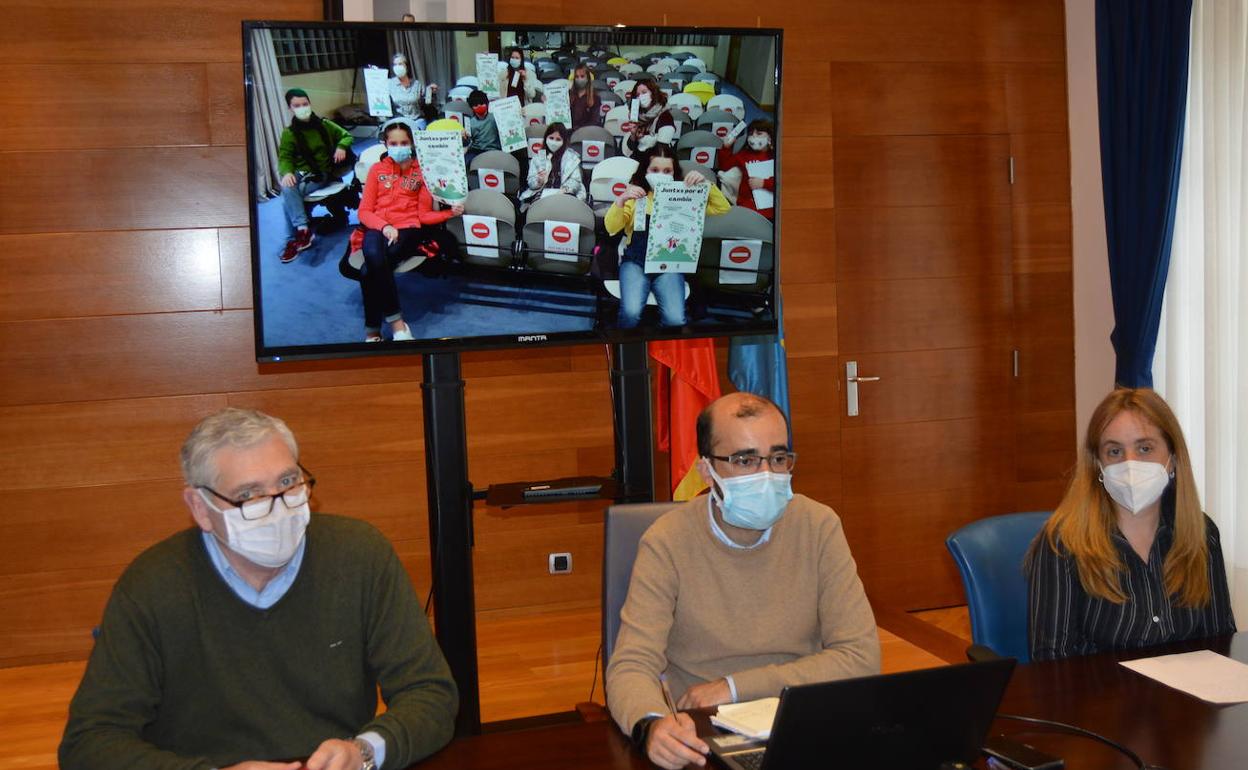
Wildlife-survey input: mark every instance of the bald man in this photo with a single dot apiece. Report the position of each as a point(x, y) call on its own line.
point(737, 594)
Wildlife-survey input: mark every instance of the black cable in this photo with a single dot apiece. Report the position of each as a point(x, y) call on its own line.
point(594, 685)
point(1139, 763)
point(429, 599)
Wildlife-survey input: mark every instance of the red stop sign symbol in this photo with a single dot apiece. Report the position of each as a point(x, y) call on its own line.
point(628, 126)
point(561, 234)
point(721, 132)
point(537, 147)
point(618, 188)
point(535, 121)
point(702, 156)
point(491, 180)
point(592, 150)
point(606, 107)
point(481, 230)
point(613, 82)
point(739, 254)
point(685, 110)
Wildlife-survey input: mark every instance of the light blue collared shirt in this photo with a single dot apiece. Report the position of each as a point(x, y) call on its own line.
point(266, 597)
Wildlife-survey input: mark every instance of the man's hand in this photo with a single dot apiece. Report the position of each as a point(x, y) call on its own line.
point(673, 742)
point(335, 754)
point(288, 180)
point(704, 695)
point(265, 766)
point(340, 155)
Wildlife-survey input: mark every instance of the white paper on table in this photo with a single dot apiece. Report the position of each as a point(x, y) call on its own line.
point(510, 119)
point(593, 150)
point(752, 718)
point(562, 239)
point(490, 179)
point(481, 232)
point(377, 88)
point(487, 74)
point(1205, 674)
point(743, 255)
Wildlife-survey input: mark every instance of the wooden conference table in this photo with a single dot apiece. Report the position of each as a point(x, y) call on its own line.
point(1163, 726)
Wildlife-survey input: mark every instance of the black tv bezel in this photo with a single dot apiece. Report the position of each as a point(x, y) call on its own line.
point(501, 341)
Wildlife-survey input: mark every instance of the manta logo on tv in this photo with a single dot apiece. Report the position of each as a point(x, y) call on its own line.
point(531, 338)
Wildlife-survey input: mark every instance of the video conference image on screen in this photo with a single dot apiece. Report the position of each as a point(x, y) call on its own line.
point(420, 187)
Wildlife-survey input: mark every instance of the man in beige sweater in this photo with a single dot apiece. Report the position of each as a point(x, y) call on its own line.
point(737, 594)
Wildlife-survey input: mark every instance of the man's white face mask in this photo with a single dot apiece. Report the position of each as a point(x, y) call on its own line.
point(267, 540)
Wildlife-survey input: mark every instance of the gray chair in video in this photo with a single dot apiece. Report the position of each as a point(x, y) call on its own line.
point(566, 209)
point(487, 203)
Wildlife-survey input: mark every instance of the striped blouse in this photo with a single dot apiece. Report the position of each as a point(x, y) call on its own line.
point(1064, 620)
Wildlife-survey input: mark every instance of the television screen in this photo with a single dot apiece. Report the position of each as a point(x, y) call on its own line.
point(436, 187)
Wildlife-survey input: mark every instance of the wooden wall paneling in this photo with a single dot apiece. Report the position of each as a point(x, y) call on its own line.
point(922, 170)
point(234, 252)
point(530, 413)
point(1044, 334)
point(810, 319)
point(119, 105)
point(1041, 169)
point(1035, 97)
point(511, 567)
point(96, 442)
point(1042, 238)
point(150, 188)
point(884, 316)
point(105, 33)
point(808, 247)
point(814, 387)
point(955, 453)
point(899, 540)
point(806, 173)
point(48, 616)
point(919, 98)
point(226, 112)
point(878, 243)
point(69, 275)
point(808, 99)
point(923, 385)
point(1033, 32)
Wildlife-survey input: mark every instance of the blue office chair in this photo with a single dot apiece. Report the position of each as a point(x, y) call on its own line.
point(989, 554)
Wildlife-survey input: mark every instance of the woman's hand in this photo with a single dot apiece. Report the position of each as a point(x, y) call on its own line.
point(391, 233)
point(694, 178)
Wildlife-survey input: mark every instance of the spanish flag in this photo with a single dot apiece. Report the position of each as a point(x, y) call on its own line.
point(687, 382)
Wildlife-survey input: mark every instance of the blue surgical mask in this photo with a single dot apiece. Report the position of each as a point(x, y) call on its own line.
point(400, 153)
point(755, 501)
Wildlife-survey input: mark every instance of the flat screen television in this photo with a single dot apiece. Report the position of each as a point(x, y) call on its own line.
point(504, 230)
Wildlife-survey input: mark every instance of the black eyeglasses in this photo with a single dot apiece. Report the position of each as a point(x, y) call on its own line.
point(749, 462)
point(294, 493)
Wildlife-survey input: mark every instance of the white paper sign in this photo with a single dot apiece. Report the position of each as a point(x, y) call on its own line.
point(562, 239)
point(510, 119)
point(676, 228)
point(377, 87)
point(762, 169)
point(441, 157)
point(639, 216)
point(593, 151)
point(736, 130)
point(491, 179)
point(634, 109)
point(487, 74)
point(722, 130)
point(742, 255)
point(704, 156)
point(558, 103)
point(481, 232)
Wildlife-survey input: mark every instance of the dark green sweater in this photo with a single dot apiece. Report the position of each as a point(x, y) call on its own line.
point(186, 675)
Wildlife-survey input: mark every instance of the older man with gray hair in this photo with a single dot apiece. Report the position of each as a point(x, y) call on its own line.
point(260, 637)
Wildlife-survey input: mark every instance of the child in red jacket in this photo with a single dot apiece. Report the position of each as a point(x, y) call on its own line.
point(760, 145)
point(395, 205)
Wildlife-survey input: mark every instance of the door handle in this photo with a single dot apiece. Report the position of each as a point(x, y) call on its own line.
point(851, 386)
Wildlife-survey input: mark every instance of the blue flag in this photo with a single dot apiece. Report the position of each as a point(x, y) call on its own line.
point(756, 364)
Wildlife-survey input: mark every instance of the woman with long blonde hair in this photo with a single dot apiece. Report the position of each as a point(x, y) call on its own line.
point(1128, 559)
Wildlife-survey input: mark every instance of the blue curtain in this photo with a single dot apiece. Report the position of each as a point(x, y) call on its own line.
point(1141, 56)
point(757, 364)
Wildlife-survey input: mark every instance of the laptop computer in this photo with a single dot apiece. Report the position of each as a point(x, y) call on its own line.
point(914, 720)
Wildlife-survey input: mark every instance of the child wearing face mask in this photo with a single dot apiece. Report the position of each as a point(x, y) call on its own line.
point(760, 144)
point(558, 167)
point(659, 165)
point(481, 133)
point(514, 79)
point(401, 220)
point(312, 153)
point(586, 107)
point(407, 94)
point(654, 126)
point(1128, 559)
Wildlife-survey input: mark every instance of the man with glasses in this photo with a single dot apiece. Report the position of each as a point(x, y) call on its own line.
point(260, 637)
point(736, 594)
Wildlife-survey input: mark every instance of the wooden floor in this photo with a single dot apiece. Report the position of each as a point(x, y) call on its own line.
point(529, 665)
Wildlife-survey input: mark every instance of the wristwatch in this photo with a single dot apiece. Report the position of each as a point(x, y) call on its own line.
point(366, 753)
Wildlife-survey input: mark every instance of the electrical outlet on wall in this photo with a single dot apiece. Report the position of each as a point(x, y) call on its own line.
point(559, 563)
